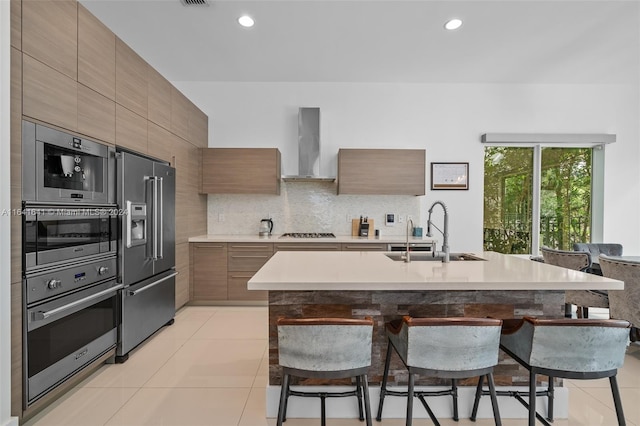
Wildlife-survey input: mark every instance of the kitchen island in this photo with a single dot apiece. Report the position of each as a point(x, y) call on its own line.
point(358, 284)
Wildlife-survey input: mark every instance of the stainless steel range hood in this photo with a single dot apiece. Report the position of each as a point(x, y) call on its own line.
point(308, 148)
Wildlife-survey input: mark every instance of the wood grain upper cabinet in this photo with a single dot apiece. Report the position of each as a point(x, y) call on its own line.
point(198, 127)
point(96, 115)
point(48, 95)
point(180, 109)
point(131, 130)
point(161, 143)
point(241, 171)
point(159, 102)
point(131, 79)
point(16, 24)
point(96, 54)
point(381, 171)
point(50, 33)
point(209, 271)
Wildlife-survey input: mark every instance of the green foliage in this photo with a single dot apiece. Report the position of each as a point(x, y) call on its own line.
point(565, 198)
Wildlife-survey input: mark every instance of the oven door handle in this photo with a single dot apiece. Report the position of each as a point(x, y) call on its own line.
point(155, 283)
point(39, 316)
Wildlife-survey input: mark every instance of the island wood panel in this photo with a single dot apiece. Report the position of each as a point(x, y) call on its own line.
point(385, 306)
point(131, 130)
point(96, 54)
point(48, 95)
point(16, 23)
point(50, 33)
point(209, 271)
point(16, 349)
point(381, 171)
point(182, 279)
point(16, 163)
point(180, 109)
point(160, 143)
point(96, 115)
point(159, 99)
point(241, 171)
point(131, 79)
point(307, 247)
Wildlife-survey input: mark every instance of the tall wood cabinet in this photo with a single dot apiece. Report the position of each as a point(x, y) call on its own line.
point(381, 171)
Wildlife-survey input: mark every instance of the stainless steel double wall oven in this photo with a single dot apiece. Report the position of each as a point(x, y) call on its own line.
point(70, 235)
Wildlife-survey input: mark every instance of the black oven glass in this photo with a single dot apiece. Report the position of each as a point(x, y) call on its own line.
point(50, 232)
point(52, 342)
point(72, 170)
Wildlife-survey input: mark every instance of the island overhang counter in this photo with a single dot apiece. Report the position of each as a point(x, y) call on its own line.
point(359, 284)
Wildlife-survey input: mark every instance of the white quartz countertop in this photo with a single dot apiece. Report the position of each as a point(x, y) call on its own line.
point(315, 270)
point(210, 238)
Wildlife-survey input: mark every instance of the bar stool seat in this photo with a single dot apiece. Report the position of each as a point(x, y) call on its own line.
point(565, 348)
point(449, 348)
point(325, 348)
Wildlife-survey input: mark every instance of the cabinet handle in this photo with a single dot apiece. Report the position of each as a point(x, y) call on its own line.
point(208, 246)
point(241, 276)
point(261, 256)
point(299, 247)
point(364, 246)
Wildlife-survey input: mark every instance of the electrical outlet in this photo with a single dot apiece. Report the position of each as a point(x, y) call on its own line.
point(220, 217)
point(400, 218)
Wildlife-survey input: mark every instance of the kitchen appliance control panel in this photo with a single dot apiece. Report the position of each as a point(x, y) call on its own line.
point(61, 280)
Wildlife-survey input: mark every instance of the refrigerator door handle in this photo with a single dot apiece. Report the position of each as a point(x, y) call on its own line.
point(155, 283)
point(160, 243)
point(128, 224)
point(154, 180)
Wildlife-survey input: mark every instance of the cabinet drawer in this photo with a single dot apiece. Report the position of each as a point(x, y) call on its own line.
point(364, 247)
point(209, 271)
point(252, 247)
point(307, 247)
point(247, 260)
point(237, 288)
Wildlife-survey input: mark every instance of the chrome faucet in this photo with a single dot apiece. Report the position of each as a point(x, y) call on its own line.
point(407, 256)
point(445, 232)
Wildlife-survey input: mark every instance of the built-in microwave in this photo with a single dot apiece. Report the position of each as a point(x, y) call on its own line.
point(56, 235)
point(59, 167)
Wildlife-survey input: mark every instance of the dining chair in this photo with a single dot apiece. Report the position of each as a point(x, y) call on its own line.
point(595, 250)
point(583, 299)
point(624, 304)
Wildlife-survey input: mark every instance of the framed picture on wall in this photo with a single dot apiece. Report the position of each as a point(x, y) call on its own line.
point(449, 176)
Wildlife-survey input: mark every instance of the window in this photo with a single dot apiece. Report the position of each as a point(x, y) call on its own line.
point(541, 196)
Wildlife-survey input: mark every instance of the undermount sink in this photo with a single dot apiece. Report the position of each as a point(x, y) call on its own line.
point(428, 257)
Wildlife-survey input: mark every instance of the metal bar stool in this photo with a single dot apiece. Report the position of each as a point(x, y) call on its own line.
point(449, 348)
point(325, 348)
point(565, 348)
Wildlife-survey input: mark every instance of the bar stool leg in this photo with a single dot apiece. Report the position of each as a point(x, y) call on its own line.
point(494, 400)
point(359, 396)
point(476, 401)
point(383, 387)
point(323, 410)
point(616, 400)
point(551, 395)
point(282, 408)
point(532, 398)
point(410, 399)
point(454, 393)
point(367, 404)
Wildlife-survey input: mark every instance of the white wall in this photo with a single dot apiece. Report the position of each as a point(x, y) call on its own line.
point(5, 225)
point(445, 119)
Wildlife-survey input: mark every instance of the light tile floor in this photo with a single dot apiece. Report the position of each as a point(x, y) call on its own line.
point(202, 371)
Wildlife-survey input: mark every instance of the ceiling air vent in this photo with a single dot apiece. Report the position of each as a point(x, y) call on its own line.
point(195, 2)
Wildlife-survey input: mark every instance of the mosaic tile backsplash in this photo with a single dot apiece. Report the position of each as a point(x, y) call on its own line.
point(308, 207)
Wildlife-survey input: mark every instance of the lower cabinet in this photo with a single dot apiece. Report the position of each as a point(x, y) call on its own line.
point(307, 247)
point(365, 247)
point(244, 260)
point(209, 271)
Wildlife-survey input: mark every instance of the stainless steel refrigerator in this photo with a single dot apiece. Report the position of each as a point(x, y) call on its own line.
point(146, 255)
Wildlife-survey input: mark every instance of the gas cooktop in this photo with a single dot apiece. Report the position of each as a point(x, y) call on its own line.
point(308, 235)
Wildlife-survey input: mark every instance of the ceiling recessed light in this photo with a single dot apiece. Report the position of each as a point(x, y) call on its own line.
point(246, 21)
point(453, 24)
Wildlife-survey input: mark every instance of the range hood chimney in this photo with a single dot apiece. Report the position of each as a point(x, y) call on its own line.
point(308, 147)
